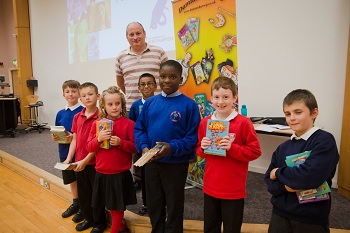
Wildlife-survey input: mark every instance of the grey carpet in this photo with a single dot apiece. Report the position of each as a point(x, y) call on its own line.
point(41, 151)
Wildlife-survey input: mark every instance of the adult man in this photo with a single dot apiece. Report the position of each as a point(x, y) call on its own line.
point(132, 62)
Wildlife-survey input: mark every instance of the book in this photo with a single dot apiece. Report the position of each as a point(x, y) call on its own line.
point(185, 37)
point(309, 195)
point(216, 130)
point(146, 157)
point(193, 27)
point(64, 166)
point(201, 101)
point(104, 124)
point(61, 132)
point(207, 67)
point(198, 73)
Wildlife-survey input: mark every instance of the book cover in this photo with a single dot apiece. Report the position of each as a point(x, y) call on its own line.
point(198, 73)
point(64, 166)
point(201, 101)
point(185, 37)
point(309, 195)
point(207, 67)
point(61, 132)
point(104, 124)
point(148, 156)
point(193, 27)
point(216, 130)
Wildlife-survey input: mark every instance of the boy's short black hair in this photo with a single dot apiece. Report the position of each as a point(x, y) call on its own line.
point(301, 95)
point(147, 75)
point(88, 84)
point(71, 84)
point(173, 63)
point(225, 83)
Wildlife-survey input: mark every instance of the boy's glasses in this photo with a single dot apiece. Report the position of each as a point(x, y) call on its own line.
point(150, 84)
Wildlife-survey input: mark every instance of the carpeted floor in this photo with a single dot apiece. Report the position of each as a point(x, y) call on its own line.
point(39, 150)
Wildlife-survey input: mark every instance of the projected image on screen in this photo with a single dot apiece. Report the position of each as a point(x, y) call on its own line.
point(96, 28)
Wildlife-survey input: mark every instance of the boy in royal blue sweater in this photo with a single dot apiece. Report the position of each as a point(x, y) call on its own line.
point(64, 118)
point(170, 119)
point(300, 109)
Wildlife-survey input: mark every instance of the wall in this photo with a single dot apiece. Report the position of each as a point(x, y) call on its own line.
point(282, 45)
point(7, 41)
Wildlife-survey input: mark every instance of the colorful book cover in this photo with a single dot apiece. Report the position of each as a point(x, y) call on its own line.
point(61, 132)
point(193, 27)
point(216, 131)
point(201, 101)
point(185, 37)
point(309, 195)
point(198, 73)
point(104, 124)
point(207, 67)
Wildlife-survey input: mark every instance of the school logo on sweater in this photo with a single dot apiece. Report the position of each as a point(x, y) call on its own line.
point(175, 116)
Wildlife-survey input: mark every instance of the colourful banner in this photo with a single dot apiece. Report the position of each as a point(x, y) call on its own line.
point(206, 46)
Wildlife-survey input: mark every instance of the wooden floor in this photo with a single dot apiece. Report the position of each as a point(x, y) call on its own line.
point(26, 206)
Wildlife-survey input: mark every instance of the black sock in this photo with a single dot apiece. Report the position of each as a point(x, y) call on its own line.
point(75, 201)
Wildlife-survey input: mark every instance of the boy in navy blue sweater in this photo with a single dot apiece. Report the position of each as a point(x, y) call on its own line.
point(147, 87)
point(170, 119)
point(64, 118)
point(300, 109)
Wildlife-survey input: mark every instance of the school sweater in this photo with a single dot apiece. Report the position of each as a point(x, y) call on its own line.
point(173, 120)
point(225, 177)
point(135, 109)
point(116, 159)
point(64, 118)
point(320, 166)
point(81, 127)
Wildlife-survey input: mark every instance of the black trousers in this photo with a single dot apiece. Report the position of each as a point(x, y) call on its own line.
point(85, 183)
point(165, 184)
point(280, 224)
point(228, 212)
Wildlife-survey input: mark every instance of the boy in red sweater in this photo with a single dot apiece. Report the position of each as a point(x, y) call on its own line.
point(85, 161)
point(225, 176)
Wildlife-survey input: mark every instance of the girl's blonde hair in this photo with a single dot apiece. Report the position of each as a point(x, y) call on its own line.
point(111, 90)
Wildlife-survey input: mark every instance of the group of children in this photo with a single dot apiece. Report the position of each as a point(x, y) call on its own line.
point(172, 121)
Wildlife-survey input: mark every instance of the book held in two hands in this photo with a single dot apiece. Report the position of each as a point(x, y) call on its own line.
point(310, 195)
point(146, 157)
point(61, 132)
point(65, 166)
point(104, 124)
point(216, 131)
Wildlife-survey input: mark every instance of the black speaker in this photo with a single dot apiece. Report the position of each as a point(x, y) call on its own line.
point(32, 83)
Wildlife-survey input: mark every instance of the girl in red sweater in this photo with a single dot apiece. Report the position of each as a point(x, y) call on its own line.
point(113, 187)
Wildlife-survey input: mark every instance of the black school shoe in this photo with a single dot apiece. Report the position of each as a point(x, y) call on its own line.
point(98, 229)
point(78, 217)
point(72, 209)
point(84, 225)
point(124, 230)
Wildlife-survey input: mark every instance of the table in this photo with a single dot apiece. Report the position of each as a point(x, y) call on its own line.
point(8, 116)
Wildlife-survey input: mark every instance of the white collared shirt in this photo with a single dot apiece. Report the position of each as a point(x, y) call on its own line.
point(306, 135)
point(176, 93)
point(72, 108)
point(230, 117)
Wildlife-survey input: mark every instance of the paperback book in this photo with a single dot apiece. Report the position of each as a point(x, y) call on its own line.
point(309, 195)
point(193, 27)
point(198, 73)
point(61, 132)
point(185, 37)
point(64, 166)
point(104, 124)
point(216, 131)
point(146, 157)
